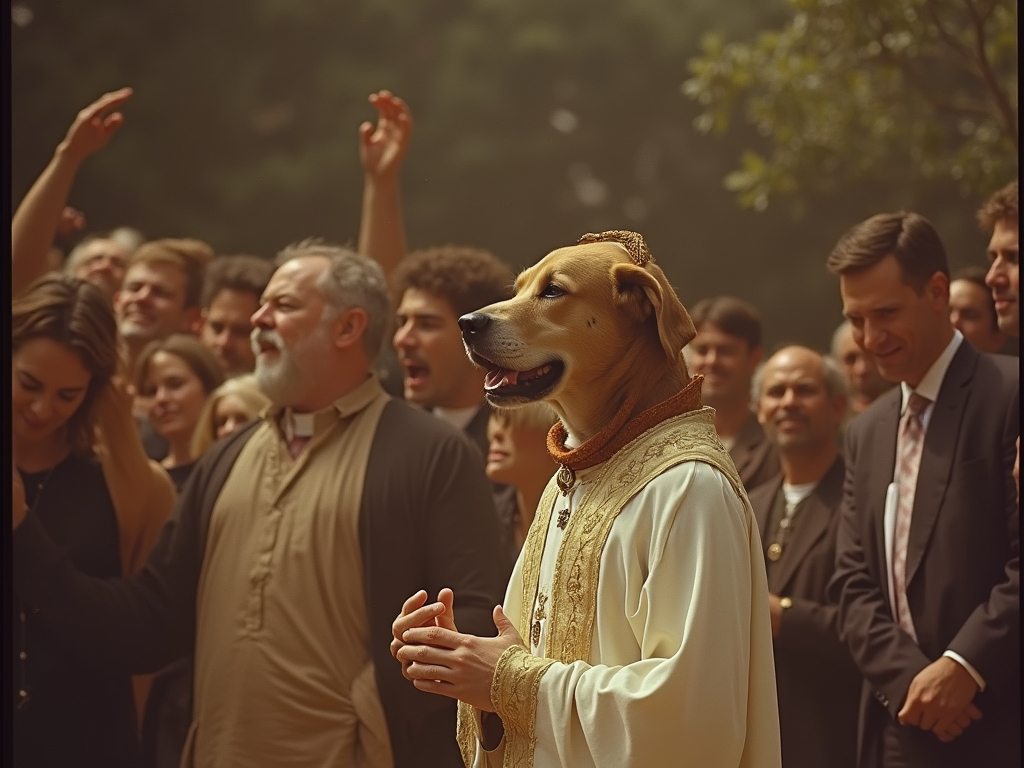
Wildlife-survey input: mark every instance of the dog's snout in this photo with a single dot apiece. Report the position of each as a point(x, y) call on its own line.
point(474, 322)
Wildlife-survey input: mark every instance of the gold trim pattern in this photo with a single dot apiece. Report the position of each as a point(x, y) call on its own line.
point(514, 696)
point(690, 436)
point(467, 732)
point(687, 437)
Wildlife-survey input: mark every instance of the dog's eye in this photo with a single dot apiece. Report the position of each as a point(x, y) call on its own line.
point(551, 291)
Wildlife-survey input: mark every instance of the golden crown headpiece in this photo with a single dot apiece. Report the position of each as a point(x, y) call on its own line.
point(633, 242)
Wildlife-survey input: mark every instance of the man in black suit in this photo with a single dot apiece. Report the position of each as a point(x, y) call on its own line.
point(802, 400)
point(927, 555)
point(726, 351)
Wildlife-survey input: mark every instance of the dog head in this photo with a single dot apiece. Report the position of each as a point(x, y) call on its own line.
point(587, 323)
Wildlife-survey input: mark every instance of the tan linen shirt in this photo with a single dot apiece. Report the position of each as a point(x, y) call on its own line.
point(283, 669)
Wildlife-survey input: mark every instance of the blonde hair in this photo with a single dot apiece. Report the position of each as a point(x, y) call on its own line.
point(242, 387)
point(539, 416)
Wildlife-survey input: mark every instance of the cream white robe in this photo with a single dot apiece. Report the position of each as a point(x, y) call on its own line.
point(682, 672)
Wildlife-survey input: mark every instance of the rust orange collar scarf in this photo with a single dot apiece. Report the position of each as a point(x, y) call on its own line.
point(620, 431)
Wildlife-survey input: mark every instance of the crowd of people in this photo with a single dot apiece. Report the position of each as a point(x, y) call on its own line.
point(228, 485)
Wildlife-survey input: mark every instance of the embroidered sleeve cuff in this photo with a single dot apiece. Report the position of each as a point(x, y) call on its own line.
point(514, 695)
point(966, 665)
point(468, 731)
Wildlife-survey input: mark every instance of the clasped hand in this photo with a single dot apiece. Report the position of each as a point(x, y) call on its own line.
point(437, 658)
point(940, 699)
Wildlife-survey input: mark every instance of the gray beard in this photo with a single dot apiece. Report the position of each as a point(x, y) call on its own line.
point(283, 381)
point(280, 380)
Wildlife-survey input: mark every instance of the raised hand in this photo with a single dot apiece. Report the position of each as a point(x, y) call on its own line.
point(95, 125)
point(382, 148)
point(70, 222)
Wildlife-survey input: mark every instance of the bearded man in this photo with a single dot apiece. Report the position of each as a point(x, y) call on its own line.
point(293, 546)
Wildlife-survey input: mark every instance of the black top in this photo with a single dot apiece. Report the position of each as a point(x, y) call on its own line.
point(180, 474)
point(75, 714)
point(153, 443)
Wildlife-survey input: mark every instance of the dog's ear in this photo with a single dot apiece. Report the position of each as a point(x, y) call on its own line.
point(641, 292)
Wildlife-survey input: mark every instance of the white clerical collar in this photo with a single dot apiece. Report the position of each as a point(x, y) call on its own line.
point(298, 424)
point(931, 383)
point(457, 417)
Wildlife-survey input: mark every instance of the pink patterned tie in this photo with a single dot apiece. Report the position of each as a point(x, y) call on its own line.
point(909, 446)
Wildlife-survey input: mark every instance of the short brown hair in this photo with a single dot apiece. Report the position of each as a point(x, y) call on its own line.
point(1001, 205)
point(976, 275)
point(189, 255)
point(908, 237)
point(733, 316)
point(77, 314)
point(467, 278)
point(236, 273)
point(196, 355)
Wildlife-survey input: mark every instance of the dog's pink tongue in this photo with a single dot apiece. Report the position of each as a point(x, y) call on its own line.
point(500, 377)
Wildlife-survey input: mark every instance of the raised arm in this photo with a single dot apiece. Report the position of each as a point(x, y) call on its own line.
point(40, 213)
point(382, 151)
point(141, 490)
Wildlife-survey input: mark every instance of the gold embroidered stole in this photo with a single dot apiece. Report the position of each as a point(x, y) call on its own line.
point(690, 436)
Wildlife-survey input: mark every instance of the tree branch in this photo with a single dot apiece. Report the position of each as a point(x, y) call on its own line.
point(1006, 111)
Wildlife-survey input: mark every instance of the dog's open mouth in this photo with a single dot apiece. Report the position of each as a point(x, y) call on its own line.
point(505, 383)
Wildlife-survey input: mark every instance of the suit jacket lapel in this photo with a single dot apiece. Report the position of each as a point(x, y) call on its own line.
point(743, 449)
point(937, 458)
point(882, 462)
point(812, 522)
point(763, 511)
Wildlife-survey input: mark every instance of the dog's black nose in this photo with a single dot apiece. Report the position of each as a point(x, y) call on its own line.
point(474, 322)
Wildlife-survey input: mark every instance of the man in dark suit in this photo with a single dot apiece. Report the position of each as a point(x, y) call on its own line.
point(726, 352)
point(801, 405)
point(927, 555)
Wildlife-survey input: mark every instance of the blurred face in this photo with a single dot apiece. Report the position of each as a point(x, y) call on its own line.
point(174, 394)
point(902, 332)
point(861, 373)
point(289, 337)
point(103, 263)
point(795, 408)
point(229, 414)
point(517, 454)
point(48, 384)
point(971, 311)
point(1002, 277)
point(727, 364)
point(428, 342)
point(151, 303)
point(227, 327)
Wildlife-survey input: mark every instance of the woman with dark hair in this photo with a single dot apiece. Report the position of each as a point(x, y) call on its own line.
point(174, 377)
point(80, 469)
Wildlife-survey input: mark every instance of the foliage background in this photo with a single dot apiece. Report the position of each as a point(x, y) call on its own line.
point(534, 122)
